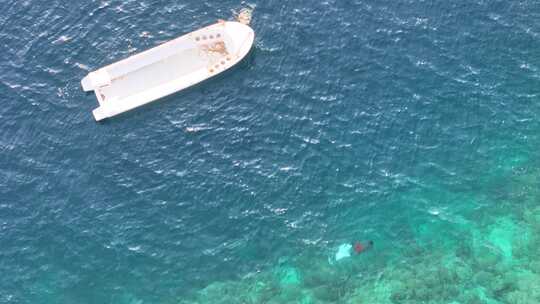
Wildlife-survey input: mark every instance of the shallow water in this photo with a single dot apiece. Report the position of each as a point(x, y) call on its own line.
point(409, 123)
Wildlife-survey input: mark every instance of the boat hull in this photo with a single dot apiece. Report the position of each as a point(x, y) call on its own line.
point(168, 68)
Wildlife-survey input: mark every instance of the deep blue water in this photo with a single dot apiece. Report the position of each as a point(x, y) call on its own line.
point(405, 122)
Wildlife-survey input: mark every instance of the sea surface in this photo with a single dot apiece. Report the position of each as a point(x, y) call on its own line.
point(414, 124)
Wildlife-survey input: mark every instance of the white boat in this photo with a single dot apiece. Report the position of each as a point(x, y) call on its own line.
point(168, 68)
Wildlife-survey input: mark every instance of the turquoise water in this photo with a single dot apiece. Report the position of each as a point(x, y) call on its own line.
point(409, 123)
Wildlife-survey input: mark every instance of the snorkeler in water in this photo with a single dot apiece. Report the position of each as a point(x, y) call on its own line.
point(347, 249)
point(359, 247)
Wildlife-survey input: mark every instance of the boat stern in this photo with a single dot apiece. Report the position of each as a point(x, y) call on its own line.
point(96, 79)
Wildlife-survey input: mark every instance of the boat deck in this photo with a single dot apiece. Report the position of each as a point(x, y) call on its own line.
point(168, 68)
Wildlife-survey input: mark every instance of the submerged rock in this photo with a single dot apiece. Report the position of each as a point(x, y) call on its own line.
point(288, 275)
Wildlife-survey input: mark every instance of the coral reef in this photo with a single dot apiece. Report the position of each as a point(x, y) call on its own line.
point(465, 255)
